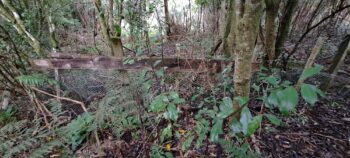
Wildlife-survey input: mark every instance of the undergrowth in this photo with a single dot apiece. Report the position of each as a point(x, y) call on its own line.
point(150, 113)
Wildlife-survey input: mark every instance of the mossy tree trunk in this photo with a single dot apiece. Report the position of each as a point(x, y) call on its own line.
point(9, 13)
point(111, 32)
point(229, 30)
point(284, 27)
point(272, 7)
point(248, 18)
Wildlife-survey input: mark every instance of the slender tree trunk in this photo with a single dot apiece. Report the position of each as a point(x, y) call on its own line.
point(342, 52)
point(272, 7)
point(54, 46)
point(284, 27)
point(145, 24)
point(229, 30)
point(117, 29)
point(248, 20)
point(311, 60)
point(167, 18)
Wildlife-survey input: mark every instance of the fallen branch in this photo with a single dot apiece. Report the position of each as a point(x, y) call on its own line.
point(61, 98)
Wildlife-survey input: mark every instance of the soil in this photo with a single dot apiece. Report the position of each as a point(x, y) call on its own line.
point(320, 131)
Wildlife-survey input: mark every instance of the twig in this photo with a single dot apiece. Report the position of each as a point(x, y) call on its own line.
point(330, 137)
point(62, 98)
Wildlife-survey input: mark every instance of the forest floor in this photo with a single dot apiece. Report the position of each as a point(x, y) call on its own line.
point(319, 131)
point(322, 130)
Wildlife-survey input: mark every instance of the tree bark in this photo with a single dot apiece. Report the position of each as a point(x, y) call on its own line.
point(342, 52)
point(9, 13)
point(311, 60)
point(229, 30)
point(248, 20)
point(284, 27)
point(112, 37)
point(272, 7)
point(167, 18)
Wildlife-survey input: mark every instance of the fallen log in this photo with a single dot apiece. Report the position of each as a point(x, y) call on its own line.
point(77, 61)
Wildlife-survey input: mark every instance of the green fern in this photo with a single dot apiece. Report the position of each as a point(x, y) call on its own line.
point(233, 150)
point(45, 149)
point(36, 80)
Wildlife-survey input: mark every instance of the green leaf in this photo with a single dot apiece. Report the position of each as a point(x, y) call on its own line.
point(309, 93)
point(320, 92)
point(216, 130)
point(246, 117)
point(288, 99)
point(241, 100)
point(273, 98)
point(169, 155)
point(172, 112)
point(118, 29)
point(236, 126)
point(157, 63)
point(256, 87)
point(273, 119)
point(272, 80)
point(159, 103)
point(187, 143)
point(166, 133)
point(226, 108)
point(311, 72)
point(254, 125)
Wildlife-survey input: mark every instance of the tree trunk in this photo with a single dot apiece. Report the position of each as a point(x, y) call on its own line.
point(112, 38)
point(229, 30)
point(284, 27)
point(342, 52)
point(311, 60)
point(9, 13)
point(272, 7)
point(248, 20)
point(167, 18)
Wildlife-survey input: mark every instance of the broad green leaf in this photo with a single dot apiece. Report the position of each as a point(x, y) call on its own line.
point(216, 130)
point(288, 99)
point(320, 92)
point(273, 98)
point(311, 72)
point(308, 92)
point(166, 133)
point(236, 126)
point(159, 103)
point(172, 112)
point(254, 125)
point(226, 108)
point(246, 117)
point(174, 95)
point(273, 119)
point(169, 155)
point(241, 100)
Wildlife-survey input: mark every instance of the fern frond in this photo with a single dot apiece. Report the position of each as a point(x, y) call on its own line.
point(12, 127)
point(21, 147)
point(45, 149)
point(36, 80)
